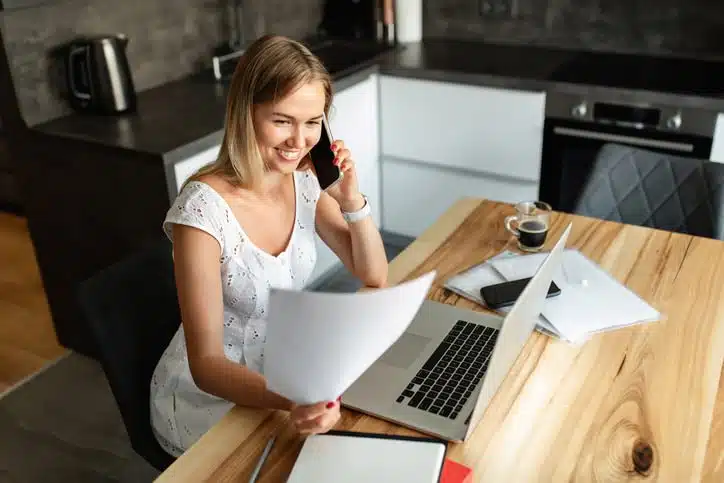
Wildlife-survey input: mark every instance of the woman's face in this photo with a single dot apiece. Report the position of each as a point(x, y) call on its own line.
point(288, 129)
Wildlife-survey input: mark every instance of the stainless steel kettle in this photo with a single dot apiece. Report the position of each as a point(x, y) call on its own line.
point(98, 75)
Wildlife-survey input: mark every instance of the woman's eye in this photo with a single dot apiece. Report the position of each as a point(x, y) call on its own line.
point(314, 123)
point(281, 121)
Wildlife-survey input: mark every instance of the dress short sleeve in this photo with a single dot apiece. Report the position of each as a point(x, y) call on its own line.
point(196, 206)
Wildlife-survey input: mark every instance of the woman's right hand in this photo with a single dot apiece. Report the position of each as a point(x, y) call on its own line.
point(315, 418)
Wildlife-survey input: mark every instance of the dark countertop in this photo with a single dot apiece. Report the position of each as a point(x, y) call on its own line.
point(184, 117)
point(174, 120)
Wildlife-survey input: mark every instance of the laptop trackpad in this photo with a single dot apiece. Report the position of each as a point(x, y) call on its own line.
point(404, 352)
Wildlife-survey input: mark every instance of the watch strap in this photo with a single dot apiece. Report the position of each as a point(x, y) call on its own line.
point(353, 216)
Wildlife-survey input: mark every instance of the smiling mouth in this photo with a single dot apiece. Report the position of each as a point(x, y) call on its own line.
point(289, 155)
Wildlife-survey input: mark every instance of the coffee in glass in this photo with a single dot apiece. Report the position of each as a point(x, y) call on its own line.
point(530, 224)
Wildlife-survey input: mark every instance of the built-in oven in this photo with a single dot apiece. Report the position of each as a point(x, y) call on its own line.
point(576, 127)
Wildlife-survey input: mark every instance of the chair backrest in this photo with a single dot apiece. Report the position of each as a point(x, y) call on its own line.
point(132, 312)
point(647, 188)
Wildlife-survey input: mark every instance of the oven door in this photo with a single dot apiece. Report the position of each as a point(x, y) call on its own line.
point(570, 148)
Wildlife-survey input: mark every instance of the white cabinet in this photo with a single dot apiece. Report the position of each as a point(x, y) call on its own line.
point(187, 167)
point(416, 194)
point(477, 128)
point(717, 149)
point(443, 141)
point(354, 119)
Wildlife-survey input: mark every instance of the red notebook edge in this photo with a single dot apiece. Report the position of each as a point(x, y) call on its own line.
point(454, 472)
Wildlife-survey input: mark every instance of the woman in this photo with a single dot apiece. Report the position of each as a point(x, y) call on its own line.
point(245, 224)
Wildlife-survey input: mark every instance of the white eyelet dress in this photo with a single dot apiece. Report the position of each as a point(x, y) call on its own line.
point(180, 411)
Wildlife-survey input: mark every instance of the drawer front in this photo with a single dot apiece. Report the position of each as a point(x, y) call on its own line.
point(415, 195)
point(489, 130)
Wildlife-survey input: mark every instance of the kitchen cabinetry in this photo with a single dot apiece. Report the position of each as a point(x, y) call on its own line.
point(354, 119)
point(717, 148)
point(441, 141)
point(420, 193)
point(184, 169)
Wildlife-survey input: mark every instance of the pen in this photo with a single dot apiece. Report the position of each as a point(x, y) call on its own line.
point(262, 459)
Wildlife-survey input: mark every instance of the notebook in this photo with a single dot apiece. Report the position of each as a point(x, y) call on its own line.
point(454, 472)
point(368, 457)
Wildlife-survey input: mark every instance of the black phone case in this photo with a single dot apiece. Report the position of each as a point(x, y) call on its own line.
point(491, 294)
point(323, 160)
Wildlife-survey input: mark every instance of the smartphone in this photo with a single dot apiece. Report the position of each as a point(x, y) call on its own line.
point(505, 294)
point(322, 158)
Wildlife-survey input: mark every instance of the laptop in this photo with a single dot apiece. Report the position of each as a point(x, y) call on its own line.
point(441, 374)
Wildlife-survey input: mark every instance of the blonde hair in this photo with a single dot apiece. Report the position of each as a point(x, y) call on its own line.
point(270, 69)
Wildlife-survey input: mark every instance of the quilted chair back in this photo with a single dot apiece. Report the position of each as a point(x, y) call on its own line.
point(646, 188)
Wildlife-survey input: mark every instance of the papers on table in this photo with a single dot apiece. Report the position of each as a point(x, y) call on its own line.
point(318, 344)
point(590, 301)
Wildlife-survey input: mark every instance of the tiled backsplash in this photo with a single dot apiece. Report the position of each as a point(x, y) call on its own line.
point(690, 27)
point(168, 40)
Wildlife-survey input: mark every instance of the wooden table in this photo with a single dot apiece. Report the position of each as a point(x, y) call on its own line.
point(635, 404)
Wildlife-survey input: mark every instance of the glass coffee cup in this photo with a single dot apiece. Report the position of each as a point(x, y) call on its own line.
point(530, 224)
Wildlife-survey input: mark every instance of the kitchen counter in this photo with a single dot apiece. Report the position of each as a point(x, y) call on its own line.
point(173, 120)
point(183, 117)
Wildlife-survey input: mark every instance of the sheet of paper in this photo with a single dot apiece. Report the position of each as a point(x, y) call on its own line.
point(318, 344)
point(590, 301)
point(467, 284)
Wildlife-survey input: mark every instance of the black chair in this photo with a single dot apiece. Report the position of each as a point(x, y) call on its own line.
point(663, 191)
point(132, 312)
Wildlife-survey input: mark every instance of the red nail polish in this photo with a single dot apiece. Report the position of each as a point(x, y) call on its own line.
point(335, 161)
point(334, 147)
point(339, 398)
point(330, 405)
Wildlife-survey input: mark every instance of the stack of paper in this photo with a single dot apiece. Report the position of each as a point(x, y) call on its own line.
point(591, 300)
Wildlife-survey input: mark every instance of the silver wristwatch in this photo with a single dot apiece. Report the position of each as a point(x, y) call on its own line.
point(351, 217)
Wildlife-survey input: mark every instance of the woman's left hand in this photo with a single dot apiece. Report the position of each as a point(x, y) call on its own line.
point(346, 192)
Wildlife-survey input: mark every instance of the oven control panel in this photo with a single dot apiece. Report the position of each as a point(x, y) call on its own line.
point(629, 113)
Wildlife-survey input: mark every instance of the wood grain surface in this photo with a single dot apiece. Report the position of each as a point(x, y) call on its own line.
point(635, 404)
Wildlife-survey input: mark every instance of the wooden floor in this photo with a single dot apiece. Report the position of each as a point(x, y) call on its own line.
point(27, 338)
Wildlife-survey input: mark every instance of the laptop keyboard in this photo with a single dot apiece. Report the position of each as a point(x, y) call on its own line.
point(451, 373)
